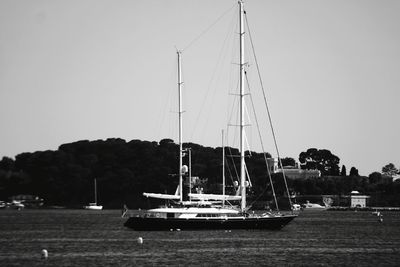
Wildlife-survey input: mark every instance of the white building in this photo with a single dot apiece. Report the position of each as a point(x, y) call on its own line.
point(292, 172)
point(357, 200)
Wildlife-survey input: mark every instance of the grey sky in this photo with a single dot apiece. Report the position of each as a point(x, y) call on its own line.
point(73, 70)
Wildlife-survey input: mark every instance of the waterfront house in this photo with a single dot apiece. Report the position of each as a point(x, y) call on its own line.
point(292, 172)
point(357, 200)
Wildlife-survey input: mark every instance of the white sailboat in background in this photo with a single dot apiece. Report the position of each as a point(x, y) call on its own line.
point(208, 211)
point(94, 206)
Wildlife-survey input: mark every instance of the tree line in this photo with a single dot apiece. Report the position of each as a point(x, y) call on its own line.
point(124, 170)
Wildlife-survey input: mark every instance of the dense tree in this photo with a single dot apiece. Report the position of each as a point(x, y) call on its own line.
point(124, 170)
point(353, 172)
point(375, 177)
point(7, 164)
point(343, 171)
point(322, 160)
point(390, 170)
point(288, 162)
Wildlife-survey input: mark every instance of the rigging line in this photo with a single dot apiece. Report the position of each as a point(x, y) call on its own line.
point(262, 145)
point(234, 177)
point(210, 86)
point(233, 68)
point(234, 106)
point(245, 135)
point(266, 104)
point(229, 171)
point(248, 175)
point(215, 79)
point(207, 29)
point(231, 85)
point(167, 104)
point(231, 122)
point(246, 140)
point(233, 163)
point(236, 135)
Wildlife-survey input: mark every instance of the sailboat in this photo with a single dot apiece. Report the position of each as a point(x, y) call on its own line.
point(94, 206)
point(201, 212)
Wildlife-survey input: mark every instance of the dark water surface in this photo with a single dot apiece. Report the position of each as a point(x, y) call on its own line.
point(98, 238)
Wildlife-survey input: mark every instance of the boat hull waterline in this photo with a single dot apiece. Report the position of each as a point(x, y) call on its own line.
point(244, 223)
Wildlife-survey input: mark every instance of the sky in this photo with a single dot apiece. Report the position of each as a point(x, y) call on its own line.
point(97, 69)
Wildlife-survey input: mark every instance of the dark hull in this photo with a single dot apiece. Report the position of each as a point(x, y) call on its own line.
point(248, 223)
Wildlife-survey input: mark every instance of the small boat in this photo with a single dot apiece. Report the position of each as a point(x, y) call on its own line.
point(296, 207)
point(15, 204)
point(313, 206)
point(27, 201)
point(94, 206)
point(198, 211)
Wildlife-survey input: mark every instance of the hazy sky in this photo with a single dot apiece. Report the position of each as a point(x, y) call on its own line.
point(96, 69)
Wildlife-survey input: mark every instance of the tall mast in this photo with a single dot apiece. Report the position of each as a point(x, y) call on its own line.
point(242, 133)
point(180, 123)
point(223, 169)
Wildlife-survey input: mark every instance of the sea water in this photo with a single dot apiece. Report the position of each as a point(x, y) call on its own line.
point(98, 238)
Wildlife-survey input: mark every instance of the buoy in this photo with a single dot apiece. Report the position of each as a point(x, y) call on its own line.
point(45, 254)
point(140, 240)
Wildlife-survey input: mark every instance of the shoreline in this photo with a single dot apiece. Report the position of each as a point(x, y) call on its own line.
point(364, 209)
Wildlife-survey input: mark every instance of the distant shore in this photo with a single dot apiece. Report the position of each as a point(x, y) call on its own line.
point(365, 209)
